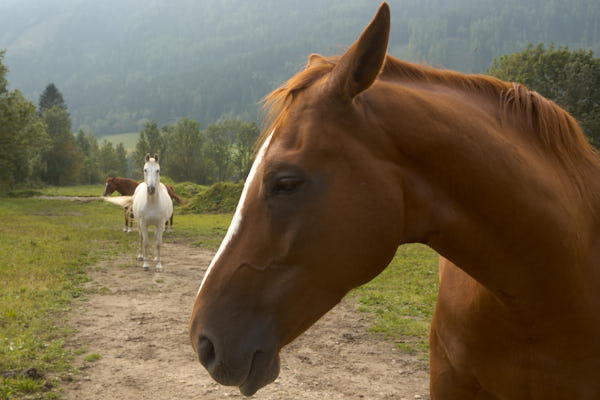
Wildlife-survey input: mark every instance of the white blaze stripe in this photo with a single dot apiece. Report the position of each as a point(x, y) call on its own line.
point(237, 217)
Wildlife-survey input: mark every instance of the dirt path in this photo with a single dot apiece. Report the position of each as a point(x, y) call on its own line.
point(70, 198)
point(137, 321)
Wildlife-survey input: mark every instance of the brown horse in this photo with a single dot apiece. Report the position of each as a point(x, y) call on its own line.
point(126, 187)
point(364, 153)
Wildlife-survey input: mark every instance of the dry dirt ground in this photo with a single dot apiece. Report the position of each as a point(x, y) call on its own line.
point(137, 322)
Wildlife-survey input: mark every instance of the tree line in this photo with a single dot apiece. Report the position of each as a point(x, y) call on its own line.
point(222, 152)
point(38, 146)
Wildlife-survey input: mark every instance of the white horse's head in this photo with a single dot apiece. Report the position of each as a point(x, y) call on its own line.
point(151, 173)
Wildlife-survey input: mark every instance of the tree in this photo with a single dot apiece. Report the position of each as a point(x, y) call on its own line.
point(109, 159)
point(220, 139)
point(87, 145)
point(3, 72)
point(187, 161)
point(22, 135)
point(122, 164)
point(51, 97)
point(151, 141)
point(569, 78)
point(62, 160)
point(246, 136)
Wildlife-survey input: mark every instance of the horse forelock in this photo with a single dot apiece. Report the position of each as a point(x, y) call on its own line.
point(278, 102)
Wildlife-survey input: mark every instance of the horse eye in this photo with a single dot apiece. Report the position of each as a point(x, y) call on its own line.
point(145, 170)
point(158, 171)
point(284, 186)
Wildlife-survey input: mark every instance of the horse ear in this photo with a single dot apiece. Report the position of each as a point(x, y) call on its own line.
point(359, 66)
point(147, 157)
point(316, 59)
point(156, 157)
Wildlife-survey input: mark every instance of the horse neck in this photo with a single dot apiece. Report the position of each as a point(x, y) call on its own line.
point(125, 187)
point(484, 196)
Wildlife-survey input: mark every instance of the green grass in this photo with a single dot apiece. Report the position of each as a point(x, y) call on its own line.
point(92, 357)
point(44, 251)
point(45, 248)
point(128, 139)
point(402, 298)
point(201, 230)
point(80, 190)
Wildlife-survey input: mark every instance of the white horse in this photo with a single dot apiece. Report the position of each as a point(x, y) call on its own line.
point(152, 205)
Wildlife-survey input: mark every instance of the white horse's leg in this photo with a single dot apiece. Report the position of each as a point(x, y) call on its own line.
point(126, 220)
point(160, 228)
point(144, 232)
point(140, 256)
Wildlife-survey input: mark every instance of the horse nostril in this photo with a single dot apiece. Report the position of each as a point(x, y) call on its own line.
point(206, 352)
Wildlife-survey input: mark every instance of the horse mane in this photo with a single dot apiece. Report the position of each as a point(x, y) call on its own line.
point(552, 127)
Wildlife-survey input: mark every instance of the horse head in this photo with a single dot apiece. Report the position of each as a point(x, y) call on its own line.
point(312, 223)
point(110, 186)
point(151, 173)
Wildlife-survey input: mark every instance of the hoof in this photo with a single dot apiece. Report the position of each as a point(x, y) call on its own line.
point(140, 258)
point(129, 230)
point(159, 267)
point(124, 229)
point(146, 267)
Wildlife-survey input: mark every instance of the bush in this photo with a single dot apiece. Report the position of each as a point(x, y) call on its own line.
point(188, 189)
point(23, 193)
point(165, 179)
point(221, 197)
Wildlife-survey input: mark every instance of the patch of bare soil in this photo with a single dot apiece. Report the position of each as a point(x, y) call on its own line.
point(138, 322)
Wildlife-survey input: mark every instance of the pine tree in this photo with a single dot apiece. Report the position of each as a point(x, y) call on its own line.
point(51, 97)
point(62, 159)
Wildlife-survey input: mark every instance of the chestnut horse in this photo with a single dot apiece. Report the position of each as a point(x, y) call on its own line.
point(365, 152)
point(126, 187)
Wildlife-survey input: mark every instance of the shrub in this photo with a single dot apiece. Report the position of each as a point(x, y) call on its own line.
point(221, 197)
point(188, 189)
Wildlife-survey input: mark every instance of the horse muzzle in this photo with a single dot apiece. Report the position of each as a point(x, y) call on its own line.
point(151, 189)
point(247, 364)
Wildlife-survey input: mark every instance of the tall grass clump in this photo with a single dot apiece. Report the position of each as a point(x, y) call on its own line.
point(221, 197)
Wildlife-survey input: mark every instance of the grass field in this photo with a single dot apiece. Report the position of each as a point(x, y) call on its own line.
point(47, 244)
point(402, 298)
point(80, 191)
point(44, 251)
point(128, 139)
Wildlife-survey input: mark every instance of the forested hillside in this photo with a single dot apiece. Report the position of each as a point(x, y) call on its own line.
point(120, 63)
